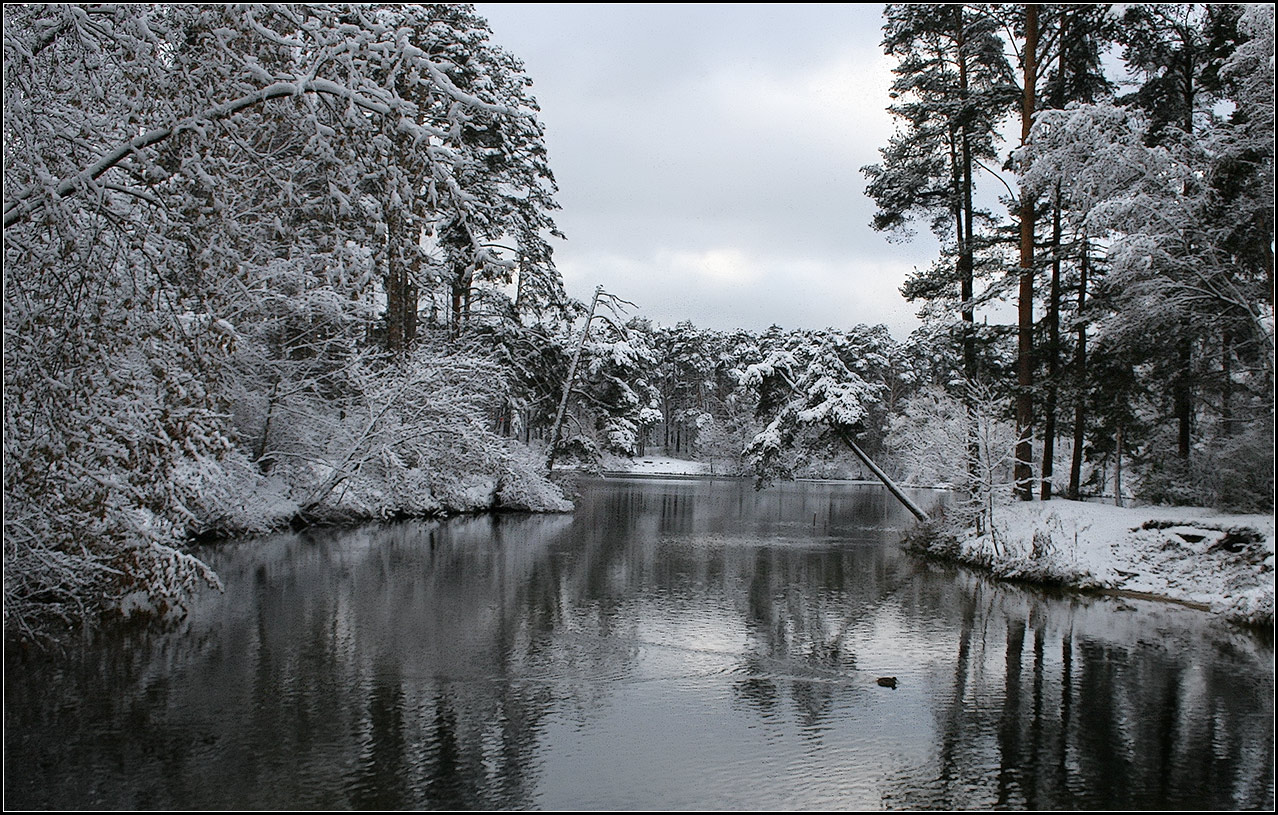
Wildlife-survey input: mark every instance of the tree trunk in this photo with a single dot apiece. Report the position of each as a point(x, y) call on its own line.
point(1227, 383)
point(966, 261)
point(1118, 467)
point(519, 285)
point(882, 476)
point(455, 323)
point(1183, 400)
point(1080, 380)
point(966, 258)
point(1053, 351)
point(572, 374)
point(394, 279)
point(409, 311)
point(1024, 469)
point(271, 401)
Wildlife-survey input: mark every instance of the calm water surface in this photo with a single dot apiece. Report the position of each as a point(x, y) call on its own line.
point(673, 644)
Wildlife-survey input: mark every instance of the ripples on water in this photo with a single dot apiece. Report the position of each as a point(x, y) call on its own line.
point(674, 644)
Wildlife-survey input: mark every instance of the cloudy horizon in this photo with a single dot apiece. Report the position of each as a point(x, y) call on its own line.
point(708, 159)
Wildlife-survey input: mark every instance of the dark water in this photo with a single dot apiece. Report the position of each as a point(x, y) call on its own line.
point(674, 644)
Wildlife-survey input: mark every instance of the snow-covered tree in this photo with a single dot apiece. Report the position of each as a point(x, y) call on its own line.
point(806, 386)
point(212, 215)
point(952, 89)
point(685, 379)
point(616, 389)
point(1181, 204)
point(933, 438)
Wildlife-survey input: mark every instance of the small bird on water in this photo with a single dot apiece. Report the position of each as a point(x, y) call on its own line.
point(888, 682)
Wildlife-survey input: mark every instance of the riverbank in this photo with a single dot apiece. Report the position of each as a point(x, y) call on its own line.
point(654, 465)
point(235, 499)
point(1218, 562)
point(669, 466)
point(137, 560)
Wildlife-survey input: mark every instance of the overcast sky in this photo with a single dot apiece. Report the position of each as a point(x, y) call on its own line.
point(708, 158)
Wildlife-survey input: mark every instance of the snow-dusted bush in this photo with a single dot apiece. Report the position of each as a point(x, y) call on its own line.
point(231, 496)
point(410, 438)
point(1239, 470)
point(940, 536)
point(1043, 553)
point(92, 502)
point(939, 438)
point(928, 438)
point(523, 485)
point(1233, 473)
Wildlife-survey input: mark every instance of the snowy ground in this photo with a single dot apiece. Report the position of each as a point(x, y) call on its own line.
point(655, 465)
point(1219, 562)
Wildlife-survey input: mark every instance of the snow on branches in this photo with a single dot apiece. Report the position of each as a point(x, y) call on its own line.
point(214, 217)
point(1169, 227)
point(809, 383)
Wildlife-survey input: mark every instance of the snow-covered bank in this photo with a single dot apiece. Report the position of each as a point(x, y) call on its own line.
point(1219, 562)
point(655, 465)
point(234, 499)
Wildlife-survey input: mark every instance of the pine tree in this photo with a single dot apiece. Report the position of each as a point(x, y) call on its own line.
point(1025, 290)
point(952, 86)
point(1076, 76)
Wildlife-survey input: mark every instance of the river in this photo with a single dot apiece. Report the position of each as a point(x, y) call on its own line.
point(673, 644)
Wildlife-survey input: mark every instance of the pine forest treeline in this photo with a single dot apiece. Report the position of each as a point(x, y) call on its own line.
point(280, 264)
point(1136, 243)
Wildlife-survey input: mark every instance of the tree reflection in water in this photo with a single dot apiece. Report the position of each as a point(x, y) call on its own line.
point(1101, 710)
point(671, 645)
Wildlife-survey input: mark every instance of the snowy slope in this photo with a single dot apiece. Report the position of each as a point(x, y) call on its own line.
point(1217, 561)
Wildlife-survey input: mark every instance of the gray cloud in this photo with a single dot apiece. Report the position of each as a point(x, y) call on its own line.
point(709, 158)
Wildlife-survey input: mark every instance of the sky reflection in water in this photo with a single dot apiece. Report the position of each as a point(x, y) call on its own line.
point(673, 644)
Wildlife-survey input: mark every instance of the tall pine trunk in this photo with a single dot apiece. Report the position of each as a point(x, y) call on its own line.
point(1227, 383)
point(966, 260)
point(966, 237)
point(1118, 467)
point(394, 277)
point(1024, 470)
point(1054, 294)
point(1181, 395)
point(1080, 381)
point(1053, 351)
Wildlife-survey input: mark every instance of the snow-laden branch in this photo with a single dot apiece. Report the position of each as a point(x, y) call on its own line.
point(26, 201)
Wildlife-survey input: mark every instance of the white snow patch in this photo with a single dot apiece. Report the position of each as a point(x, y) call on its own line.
point(1224, 562)
point(656, 465)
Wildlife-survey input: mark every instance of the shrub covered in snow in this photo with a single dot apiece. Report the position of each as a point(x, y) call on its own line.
point(1045, 554)
point(523, 485)
point(1233, 472)
point(231, 496)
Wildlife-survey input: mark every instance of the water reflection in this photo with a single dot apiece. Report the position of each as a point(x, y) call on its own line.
point(672, 644)
point(1071, 705)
